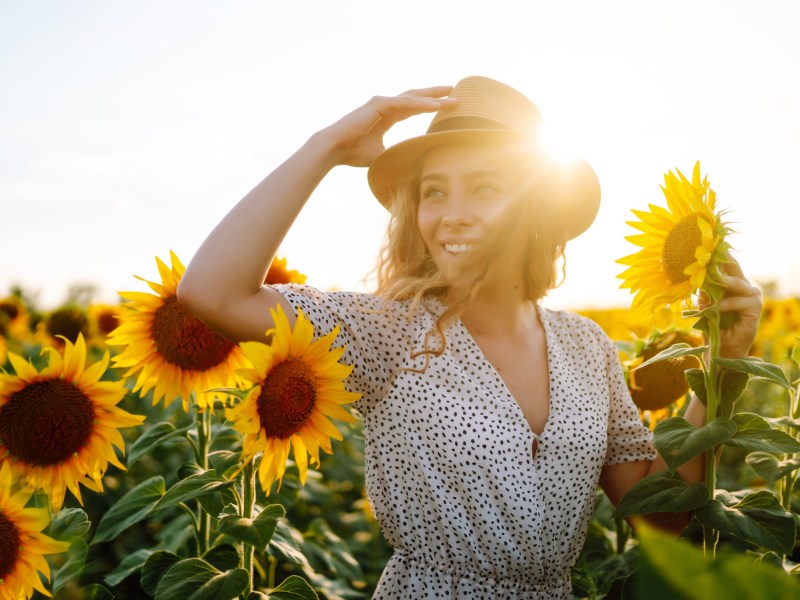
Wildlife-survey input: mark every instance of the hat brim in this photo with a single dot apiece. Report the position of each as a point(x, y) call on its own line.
point(571, 188)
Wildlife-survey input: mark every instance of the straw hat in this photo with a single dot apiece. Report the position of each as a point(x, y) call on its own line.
point(490, 111)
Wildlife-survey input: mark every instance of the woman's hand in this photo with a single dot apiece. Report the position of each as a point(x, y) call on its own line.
point(744, 300)
point(357, 138)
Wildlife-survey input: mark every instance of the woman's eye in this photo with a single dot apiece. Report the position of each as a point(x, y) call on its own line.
point(432, 193)
point(485, 190)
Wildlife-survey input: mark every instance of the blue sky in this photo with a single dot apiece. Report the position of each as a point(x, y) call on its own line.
point(129, 129)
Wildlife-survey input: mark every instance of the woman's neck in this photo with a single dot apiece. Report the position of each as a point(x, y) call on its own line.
point(500, 312)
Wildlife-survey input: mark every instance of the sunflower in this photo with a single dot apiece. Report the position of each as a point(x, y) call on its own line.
point(103, 319)
point(299, 383)
point(14, 318)
point(659, 390)
point(278, 273)
point(68, 321)
point(173, 351)
point(22, 542)
point(58, 427)
point(682, 245)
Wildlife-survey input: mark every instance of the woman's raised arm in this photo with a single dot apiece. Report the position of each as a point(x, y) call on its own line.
point(223, 283)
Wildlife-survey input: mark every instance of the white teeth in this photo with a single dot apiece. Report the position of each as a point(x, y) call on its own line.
point(457, 248)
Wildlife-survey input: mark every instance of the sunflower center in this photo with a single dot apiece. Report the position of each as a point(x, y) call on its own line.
point(107, 322)
point(287, 398)
point(9, 309)
point(46, 422)
point(185, 341)
point(69, 322)
point(9, 546)
point(679, 248)
point(660, 384)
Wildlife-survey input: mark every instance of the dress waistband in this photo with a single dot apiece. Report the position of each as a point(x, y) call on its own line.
point(487, 578)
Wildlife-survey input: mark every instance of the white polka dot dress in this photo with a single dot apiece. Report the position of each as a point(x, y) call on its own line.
point(469, 510)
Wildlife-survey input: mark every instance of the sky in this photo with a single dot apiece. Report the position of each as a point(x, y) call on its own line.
point(129, 129)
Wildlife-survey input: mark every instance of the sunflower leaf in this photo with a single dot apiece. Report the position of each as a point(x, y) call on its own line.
point(672, 568)
point(195, 579)
point(157, 434)
point(96, 591)
point(257, 532)
point(127, 566)
point(675, 351)
point(73, 566)
point(293, 588)
point(661, 492)
point(199, 484)
point(134, 506)
point(69, 524)
point(756, 434)
point(678, 441)
point(223, 557)
point(154, 568)
point(756, 366)
point(757, 518)
point(769, 467)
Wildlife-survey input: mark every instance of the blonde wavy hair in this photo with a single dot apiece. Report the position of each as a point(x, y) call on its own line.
point(530, 241)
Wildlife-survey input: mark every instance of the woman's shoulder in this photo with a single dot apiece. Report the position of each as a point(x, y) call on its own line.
point(576, 325)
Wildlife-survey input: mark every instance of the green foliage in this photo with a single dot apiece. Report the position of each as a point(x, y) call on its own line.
point(673, 569)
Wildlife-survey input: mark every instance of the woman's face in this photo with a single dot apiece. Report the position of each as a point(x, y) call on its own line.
point(465, 198)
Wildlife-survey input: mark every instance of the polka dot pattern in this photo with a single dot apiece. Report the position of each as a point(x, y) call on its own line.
point(471, 510)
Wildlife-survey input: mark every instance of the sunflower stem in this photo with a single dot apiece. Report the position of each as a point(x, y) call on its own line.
point(713, 389)
point(203, 422)
point(249, 495)
point(273, 565)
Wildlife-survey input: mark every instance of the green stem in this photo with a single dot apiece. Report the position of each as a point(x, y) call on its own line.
point(713, 377)
point(249, 499)
point(623, 533)
point(203, 422)
point(273, 564)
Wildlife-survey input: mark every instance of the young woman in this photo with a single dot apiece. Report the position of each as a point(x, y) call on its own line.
point(489, 420)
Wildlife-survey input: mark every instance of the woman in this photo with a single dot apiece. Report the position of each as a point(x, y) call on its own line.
point(489, 421)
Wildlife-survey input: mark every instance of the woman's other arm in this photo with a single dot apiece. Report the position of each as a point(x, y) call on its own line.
point(223, 284)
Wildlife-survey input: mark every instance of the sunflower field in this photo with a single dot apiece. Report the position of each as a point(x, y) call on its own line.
point(144, 456)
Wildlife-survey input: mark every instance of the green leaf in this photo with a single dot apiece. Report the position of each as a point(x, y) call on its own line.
point(157, 434)
point(733, 385)
point(256, 532)
point(673, 569)
point(285, 544)
point(223, 461)
point(675, 351)
point(69, 524)
point(293, 588)
point(223, 557)
point(769, 467)
point(758, 518)
point(661, 493)
point(678, 441)
point(756, 434)
point(154, 569)
point(195, 579)
point(96, 592)
point(784, 421)
point(193, 486)
point(257, 596)
point(796, 351)
point(131, 508)
point(73, 566)
point(229, 391)
point(127, 566)
point(332, 554)
point(755, 366)
point(697, 381)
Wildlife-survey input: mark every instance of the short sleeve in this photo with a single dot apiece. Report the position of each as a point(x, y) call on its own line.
point(628, 439)
point(363, 320)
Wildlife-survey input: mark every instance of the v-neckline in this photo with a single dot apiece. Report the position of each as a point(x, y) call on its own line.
point(486, 364)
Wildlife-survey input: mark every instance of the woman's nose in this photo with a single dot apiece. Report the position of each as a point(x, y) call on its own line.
point(455, 219)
